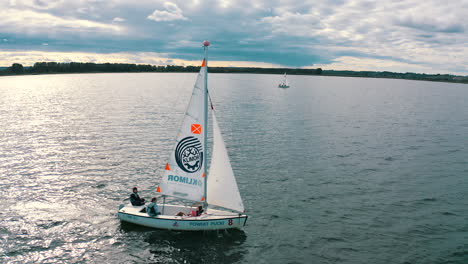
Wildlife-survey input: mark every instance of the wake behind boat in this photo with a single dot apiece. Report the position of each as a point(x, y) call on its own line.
point(186, 175)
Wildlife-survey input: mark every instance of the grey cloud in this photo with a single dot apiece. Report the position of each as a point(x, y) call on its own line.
point(431, 25)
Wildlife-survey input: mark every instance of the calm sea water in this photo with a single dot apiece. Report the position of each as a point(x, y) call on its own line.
point(332, 170)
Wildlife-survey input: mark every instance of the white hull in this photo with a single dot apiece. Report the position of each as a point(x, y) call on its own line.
point(213, 220)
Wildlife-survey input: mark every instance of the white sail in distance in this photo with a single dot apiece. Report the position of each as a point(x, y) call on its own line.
point(285, 81)
point(222, 187)
point(184, 172)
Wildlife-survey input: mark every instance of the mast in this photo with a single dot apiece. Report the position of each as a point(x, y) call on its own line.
point(206, 43)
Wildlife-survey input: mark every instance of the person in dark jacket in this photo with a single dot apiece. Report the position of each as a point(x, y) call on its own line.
point(135, 198)
point(200, 210)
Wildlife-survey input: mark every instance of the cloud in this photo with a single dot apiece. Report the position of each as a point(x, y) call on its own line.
point(293, 24)
point(37, 4)
point(118, 19)
point(172, 12)
point(373, 64)
point(34, 23)
point(402, 35)
point(409, 34)
point(28, 58)
point(430, 25)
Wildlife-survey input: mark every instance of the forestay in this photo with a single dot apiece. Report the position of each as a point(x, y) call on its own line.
point(222, 188)
point(184, 174)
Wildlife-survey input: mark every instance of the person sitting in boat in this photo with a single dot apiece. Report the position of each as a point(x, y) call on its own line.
point(198, 212)
point(152, 208)
point(135, 198)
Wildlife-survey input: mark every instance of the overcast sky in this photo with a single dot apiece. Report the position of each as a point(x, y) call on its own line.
point(403, 36)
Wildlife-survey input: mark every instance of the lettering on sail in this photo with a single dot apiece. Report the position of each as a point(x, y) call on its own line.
point(186, 180)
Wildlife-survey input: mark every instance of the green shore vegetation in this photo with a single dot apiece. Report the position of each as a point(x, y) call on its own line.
point(80, 67)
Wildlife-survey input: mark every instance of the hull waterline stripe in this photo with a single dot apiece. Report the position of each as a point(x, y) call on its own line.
point(186, 219)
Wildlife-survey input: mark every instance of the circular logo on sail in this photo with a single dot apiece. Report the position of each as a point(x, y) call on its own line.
point(189, 154)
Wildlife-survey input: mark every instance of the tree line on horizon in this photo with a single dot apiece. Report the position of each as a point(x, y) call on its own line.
point(89, 67)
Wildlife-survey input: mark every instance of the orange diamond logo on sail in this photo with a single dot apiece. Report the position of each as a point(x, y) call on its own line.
point(196, 128)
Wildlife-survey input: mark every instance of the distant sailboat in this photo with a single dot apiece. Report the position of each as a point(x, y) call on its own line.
point(186, 174)
point(284, 83)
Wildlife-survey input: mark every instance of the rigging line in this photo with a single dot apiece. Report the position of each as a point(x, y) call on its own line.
point(211, 102)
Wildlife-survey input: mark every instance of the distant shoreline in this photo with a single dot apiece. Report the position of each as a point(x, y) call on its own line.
point(40, 68)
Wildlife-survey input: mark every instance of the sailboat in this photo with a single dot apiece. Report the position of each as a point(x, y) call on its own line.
point(284, 83)
point(186, 174)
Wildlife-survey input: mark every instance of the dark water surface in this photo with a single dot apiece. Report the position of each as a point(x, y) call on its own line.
point(332, 170)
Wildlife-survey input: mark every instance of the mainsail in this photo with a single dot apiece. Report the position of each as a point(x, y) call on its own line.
point(285, 81)
point(184, 174)
point(222, 186)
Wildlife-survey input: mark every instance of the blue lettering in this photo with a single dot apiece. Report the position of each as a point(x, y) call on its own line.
point(198, 224)
point(185, 180)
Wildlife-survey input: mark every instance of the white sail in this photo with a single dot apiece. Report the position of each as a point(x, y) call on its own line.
point(222, 187)
point(184, 174)
point(285, 81)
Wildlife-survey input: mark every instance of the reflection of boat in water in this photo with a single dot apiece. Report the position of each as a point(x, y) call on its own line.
point(284, 83)
point(186, 176)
